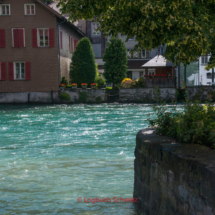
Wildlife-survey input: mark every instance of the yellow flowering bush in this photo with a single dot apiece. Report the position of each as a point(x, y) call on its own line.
point(126, 79)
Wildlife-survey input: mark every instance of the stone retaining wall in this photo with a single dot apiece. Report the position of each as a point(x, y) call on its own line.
point(140, 95)
point(173, 178)
point(201, 93)
point(147, 94)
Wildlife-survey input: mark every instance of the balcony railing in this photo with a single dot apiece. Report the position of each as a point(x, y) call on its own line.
point(160, 82)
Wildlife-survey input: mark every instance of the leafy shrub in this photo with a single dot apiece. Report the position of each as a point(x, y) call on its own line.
point(196, 124)
point(65, 96)
point(140, 82)
point(100, 82)
point(98, 99)
point(69, 85)
point(83, 97)
point(64, 80)
point(127, 84)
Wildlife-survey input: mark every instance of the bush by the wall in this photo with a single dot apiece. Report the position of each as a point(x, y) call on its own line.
point(100, 82)
point(65, 96)
point(195, 124)
point(83, 97)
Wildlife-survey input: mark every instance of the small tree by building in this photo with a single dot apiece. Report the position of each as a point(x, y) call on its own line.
point(115, 59)
point(83, 68)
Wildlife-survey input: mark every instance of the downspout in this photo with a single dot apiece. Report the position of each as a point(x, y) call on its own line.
point(58, 47)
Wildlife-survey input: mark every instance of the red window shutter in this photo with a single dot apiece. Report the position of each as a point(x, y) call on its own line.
point(34, 37)
point(51, 37)
point(15, 38)
point(70, 44)
point(75, 43)
point(3, 71)
point(61, 39)
point(21, 37)
point(10, 70)
point(27, 71)
point(2, 38)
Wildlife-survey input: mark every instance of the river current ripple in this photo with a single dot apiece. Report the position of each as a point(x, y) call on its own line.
point(50, 155)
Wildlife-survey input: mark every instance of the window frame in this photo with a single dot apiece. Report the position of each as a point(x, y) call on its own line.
point(38, 37)
point(161, 50)
point(1, 10)
point(20, 72)
point(13, 36)
point(203, 61)
point(95, 35)
point(25, 9)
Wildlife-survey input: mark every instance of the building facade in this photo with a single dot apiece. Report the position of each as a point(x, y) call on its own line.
point(33, 49)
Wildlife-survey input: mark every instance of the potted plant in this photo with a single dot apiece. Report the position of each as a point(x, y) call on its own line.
point(84, 85)
point(62, 87)
point(93, 86)
point(74, 85)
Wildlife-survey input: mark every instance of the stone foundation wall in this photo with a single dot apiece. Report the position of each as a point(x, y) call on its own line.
point(146, 94)
point(140, 95)
point(173, 178)
point(201, 93)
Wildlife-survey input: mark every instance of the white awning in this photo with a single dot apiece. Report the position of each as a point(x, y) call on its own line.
point(158, 61)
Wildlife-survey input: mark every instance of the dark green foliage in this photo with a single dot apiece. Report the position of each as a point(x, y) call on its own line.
point(98, 99)
point(83, 97)
point(140, 82)
point(65, 96)
point(100, 82)
point(196, 124)
point(64, 80)
point(83, 68)
point(115, 59)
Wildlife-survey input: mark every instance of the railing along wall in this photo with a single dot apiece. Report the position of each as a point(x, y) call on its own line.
point(160, 82)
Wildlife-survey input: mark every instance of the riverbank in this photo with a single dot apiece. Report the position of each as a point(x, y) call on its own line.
point(171, 177)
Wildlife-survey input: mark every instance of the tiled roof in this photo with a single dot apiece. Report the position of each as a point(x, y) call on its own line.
point(52, 10)
point(158, 61)
point(136, 64)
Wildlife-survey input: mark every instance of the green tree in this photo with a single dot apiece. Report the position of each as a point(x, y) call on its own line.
point(187, 27)
point(83, 68)
point(115, 59)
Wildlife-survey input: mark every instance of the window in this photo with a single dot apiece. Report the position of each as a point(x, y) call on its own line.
point(160, 51)
point(18, 36)
point(43, 35)
point(151, 71)
point(142, 74)
point(4, 9)
point(19, 70)
point(29, 9)
point(204, 59)
point(209, 75)
point(94, 27)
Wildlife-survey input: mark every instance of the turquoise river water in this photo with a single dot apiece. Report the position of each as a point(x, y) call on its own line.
point(52, 155)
